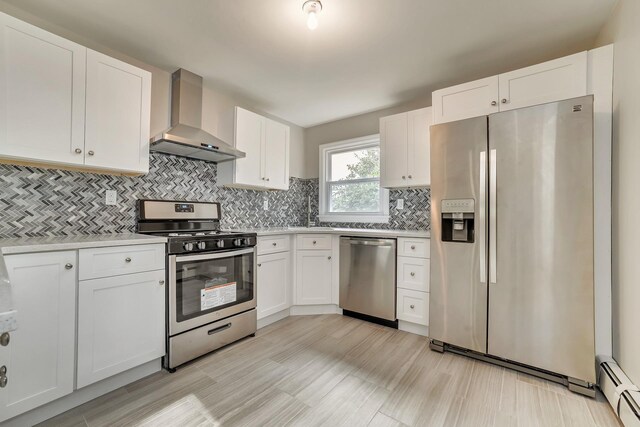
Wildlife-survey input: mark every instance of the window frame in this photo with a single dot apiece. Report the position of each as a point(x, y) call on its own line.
point(326, 150)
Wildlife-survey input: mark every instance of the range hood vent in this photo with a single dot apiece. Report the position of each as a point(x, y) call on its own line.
point(185, 137)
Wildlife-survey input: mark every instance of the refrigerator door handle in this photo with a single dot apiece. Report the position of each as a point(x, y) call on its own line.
point(493, 216)
point(482, 220)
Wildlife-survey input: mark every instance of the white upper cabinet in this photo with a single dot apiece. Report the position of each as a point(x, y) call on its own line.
point(40, 357)
point(472, 99)
point(63, 104)
point(404, 149)
point(266, 144)
point(118, 113)
point(42, 95)
point(550, 81)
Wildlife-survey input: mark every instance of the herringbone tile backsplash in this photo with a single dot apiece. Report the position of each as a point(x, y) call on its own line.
point(51, 202)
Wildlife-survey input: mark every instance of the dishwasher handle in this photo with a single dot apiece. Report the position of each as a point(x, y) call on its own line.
point(372, 242)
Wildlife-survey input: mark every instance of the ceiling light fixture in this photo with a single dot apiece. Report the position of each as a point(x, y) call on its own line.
point(312, 8)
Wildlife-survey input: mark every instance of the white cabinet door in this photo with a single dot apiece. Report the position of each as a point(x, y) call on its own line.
point(249, 137)
point(40, 357)
point(273, 283)
point(418, 147)
point(276, 155)
point(118, 114)
point(42, 95)
point(121, 323)
point(314, 277)
point(393, 151)
point(473, 99)
point(550, 81)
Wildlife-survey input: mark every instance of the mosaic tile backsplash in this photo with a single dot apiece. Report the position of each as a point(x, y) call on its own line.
point(50, 202)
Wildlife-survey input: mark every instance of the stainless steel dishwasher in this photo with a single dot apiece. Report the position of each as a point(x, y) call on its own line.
point(368, 278)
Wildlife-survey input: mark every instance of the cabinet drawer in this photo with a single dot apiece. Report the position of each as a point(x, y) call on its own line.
point(413, 306)
point(273, 244)
point(117, 260)
point(413, 273)
point(314, 241)
point(418, 248)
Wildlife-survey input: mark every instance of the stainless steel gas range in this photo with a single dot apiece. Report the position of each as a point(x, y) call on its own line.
point(211, 297)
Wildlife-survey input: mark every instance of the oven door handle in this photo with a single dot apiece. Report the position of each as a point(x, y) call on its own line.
point(216, 255)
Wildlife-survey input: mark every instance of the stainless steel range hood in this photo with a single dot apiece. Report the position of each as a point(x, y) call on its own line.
point(185, 137)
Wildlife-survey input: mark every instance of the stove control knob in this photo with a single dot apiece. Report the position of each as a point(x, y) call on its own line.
point(220, 243)
point(188, 246)
point(202, 245)
point(238, 242)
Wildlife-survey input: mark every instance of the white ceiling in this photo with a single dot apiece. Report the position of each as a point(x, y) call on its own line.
point(365, 55)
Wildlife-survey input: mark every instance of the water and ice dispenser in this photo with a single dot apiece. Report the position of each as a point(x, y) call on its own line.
point(458, 220)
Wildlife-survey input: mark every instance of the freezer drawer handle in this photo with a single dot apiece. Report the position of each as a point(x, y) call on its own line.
point(219, 329)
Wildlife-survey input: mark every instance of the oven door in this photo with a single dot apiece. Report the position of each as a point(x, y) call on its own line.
point(205, 288)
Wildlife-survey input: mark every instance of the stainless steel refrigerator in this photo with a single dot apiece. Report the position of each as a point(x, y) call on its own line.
point(512, 240)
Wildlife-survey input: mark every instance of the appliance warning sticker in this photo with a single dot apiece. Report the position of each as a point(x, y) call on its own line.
point(215, 296)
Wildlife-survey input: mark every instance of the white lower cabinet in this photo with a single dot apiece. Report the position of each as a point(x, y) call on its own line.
point(40, 357)
point(121, 324)
point(413, 306)
point(314, 277)
point(273, 283)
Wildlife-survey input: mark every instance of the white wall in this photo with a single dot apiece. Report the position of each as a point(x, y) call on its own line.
point(623, 29)
point(352, 127)
point(217, 107)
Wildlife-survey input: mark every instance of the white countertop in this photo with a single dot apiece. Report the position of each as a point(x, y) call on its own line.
point(339, 231)
point(46, 244)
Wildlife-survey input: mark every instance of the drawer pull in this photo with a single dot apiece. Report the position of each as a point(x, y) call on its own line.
point(78, 151)
point(127, 259)
point(412, 306)
point(259, 265)
point(329, 257)
point(68, 266)
point(413, 274)
point(4, 339)
point(161, 282)
point(314, 242)
point(274, 244)
point(219, 329)
point(413, 247)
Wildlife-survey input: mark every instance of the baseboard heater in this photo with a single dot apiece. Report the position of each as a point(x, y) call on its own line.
point(621, 393)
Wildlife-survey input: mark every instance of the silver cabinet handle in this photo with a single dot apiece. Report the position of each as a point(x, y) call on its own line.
point(328, 257)
point(482, 218)
point(4, 339)
point(78, 151)
point(259, 265)
point(90, 153)
point(68, 266)
point(267, 179)
point(413, 274)
point(412, 306)
point(161, 282)
point(3, 376)
point(410, 177)
point(314, 242)
point(274, 244)
point(494, 103)
point(413, 247)
point(127, 259)
point(403, 177)
point(493, 194)
point(504, 100)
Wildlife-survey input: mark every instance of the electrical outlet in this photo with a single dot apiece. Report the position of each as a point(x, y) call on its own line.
point(265, 205)
point(111, 197)
point(400, 204)
point(8, 321)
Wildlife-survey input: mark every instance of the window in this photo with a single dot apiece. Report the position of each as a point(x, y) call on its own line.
point(350, 182)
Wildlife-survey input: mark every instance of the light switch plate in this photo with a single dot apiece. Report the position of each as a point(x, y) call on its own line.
point(8, 321)
point(111, 197)
point(400, 204)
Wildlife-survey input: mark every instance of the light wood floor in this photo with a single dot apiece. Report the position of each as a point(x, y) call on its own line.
point(333, 370)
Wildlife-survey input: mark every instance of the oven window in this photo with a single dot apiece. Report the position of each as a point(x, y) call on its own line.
point(208, 285)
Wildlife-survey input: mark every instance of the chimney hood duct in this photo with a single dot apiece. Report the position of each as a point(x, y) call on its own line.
point(185, 137)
